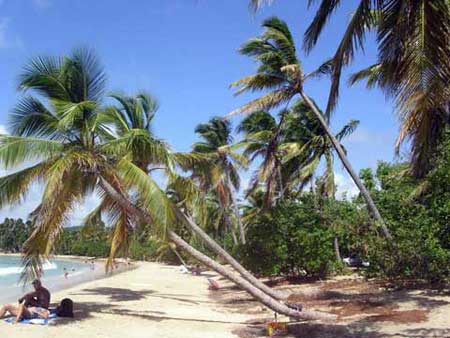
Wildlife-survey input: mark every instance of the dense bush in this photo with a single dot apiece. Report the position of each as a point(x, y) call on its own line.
point(13, 233)
point(295, 238)
point(94, 241)
point(417, 213)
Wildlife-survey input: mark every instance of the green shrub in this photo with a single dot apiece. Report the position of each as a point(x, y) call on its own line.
point(417, 214)
point(292, 239)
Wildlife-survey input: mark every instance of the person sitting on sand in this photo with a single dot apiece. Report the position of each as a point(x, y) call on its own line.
point(32, 305)
point(196, 271)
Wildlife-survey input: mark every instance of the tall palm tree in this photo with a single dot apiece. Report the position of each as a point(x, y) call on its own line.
point(61, 132)
point(217, 142)
point(413, 63)
point(291, 149)
point(136, 141)
point(129, 124)
point(314, 144)
point(263, 136)
point(268, 139)
point(281, 73)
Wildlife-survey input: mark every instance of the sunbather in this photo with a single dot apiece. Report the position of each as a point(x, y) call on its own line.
point(32, 305)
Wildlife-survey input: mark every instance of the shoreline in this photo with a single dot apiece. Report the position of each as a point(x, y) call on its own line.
point(153, 300)
point(57, 283)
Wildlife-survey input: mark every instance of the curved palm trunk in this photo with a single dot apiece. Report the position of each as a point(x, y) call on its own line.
point(270, 302)
point(124, 202)
point(213, 245)
point(369, 201)
point(236, 209)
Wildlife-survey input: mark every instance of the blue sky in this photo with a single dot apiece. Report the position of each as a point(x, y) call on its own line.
point(185, 53)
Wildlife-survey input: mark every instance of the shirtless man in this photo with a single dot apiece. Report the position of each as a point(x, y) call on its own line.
point(32, 305)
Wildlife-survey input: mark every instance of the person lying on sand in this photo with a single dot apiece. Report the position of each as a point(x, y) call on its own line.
point(32, 305)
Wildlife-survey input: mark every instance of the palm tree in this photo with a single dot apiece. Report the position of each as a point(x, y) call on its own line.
point(317, 146)
point(63, 135)
point(301, 145)
point(217, 143)
point(136, 141)
point(280, 72)
point(262, 138)
point(291, 150)
point(130, 125)
point(314, 144)
point(413, 64)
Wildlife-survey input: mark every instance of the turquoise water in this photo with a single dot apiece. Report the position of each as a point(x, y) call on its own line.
point(10, 270)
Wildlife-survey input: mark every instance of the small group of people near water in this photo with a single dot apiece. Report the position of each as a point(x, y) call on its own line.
point(36, 304)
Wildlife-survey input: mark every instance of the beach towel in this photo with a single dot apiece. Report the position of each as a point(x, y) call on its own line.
point(35, 321)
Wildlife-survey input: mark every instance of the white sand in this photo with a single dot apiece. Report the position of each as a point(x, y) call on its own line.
point(156, 300)
point(152, 301)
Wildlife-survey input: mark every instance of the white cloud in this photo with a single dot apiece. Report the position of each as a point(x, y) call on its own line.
point(42, 3)
point(23, 209)
point(33, 199)
point(364, 135)
point(3, 130)
point(8, 40)
point(345, 187)
point(83, 209)
point(4, 42)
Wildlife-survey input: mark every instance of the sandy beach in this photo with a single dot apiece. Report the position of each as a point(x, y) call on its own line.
point(156, 300)
point(153, 300)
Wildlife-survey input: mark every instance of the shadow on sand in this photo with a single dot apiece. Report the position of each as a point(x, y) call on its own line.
point(116, 305)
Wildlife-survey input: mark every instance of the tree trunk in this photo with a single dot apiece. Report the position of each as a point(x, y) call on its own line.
point(337, 252)
point(262, 297)
point(230, 260)
point(144, 217)
point(369, 201)
point(230, 226)
point(236, 209)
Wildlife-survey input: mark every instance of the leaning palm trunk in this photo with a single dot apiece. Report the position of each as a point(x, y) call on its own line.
point(268, 301)
point(144, 217)
point(369, 201)
point(230, 260)
point(236, 210)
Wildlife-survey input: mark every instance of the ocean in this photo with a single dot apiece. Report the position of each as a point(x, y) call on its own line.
point(78, 271)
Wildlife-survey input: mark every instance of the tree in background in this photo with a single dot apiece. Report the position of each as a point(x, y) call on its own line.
point(13, 234)
point(280, 72)
point(222, 178)
point(413, 64)
point(66, 136)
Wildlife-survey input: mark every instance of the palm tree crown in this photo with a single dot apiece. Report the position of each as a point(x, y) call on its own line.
point(279, 72)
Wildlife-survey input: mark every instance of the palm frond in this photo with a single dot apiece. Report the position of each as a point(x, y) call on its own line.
point(348, 129)
point(30, 118)
point(153, 199)
point(266, 102)
point(353, 39)
point(14, 187)
point(373, 75)
point(257, 82)
point(323, 14)
point(17, 150)
point(49, 219)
